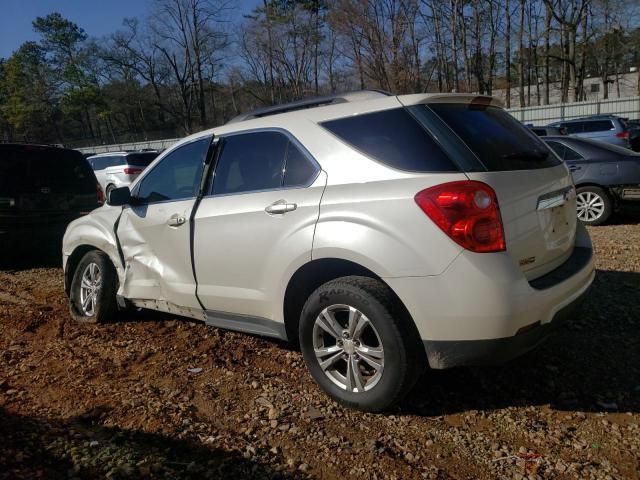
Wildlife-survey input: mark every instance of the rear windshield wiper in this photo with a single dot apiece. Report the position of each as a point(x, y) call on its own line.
point(535, 155)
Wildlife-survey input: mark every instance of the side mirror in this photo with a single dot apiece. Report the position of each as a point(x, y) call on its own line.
point(119, 196)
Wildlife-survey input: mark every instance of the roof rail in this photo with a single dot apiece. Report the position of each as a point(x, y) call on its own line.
point(311, 103)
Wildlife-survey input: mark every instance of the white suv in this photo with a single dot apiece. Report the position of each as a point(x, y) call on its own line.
point(383, 233)
point(119, 169)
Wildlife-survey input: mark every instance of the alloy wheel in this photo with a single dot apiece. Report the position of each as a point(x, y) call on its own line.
point(348, 348)
point(89, 288)
point(590, 206)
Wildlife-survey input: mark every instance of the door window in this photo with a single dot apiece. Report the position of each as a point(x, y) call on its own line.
point(250, 162)
point(564, 152)
point(598, 126)
point(574, 127)
point(299, 171)
point(177, 176)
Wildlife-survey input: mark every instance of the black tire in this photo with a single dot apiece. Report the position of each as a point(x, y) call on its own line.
point(106, 305)
point(607, 205)
point(404, 358)
point(110, 187)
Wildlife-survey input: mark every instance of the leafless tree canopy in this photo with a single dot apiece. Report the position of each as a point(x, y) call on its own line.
point(192, 64)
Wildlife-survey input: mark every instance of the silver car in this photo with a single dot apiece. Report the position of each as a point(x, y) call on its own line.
point(381, 233)
point(604, 128)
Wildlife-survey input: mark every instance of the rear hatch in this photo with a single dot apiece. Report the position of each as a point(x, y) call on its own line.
point(534, 188)
point(41, 184)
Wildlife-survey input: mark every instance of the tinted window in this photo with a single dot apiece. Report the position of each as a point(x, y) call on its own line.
point(575, 127)
point(177, 176)
point(250, 162)
point(564, 152)
point(598, 126)
point(141, 159)
point(30, 169)
point(395, 138)
point(498, 140)
point(541, 132)
point(298, 170)
point(100, 163)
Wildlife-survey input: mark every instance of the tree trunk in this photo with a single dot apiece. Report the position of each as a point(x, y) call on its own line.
point(507, 54)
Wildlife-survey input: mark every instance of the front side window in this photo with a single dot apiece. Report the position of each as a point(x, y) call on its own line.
point(177, 176)
point(574, 127)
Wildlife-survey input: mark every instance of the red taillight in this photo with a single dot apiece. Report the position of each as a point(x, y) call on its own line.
point(468, 212)
point(132, 171)
point(623, 134)
point(100, 194)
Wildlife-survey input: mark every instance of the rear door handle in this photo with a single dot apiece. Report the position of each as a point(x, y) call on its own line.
point(280, 207)
point(573, 168)
point(176, 221)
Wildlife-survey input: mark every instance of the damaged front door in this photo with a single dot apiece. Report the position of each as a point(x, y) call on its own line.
point(155, 230)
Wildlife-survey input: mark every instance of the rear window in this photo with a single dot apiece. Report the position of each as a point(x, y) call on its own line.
point(30, 169)
point(141, 159)
point(497, 139)
point(393, 137)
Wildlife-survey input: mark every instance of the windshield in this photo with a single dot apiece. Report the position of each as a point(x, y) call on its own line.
point(498, 140)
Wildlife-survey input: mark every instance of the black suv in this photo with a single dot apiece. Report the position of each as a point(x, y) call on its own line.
point(42, 189)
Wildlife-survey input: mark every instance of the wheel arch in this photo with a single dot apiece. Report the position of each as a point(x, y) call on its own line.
point(74, 259)
point(317, 272)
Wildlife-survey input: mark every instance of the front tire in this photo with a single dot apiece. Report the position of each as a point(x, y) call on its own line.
point(358, 343)
point(92, 297)
point(594, 205)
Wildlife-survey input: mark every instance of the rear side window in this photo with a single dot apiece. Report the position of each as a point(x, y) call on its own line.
point(564, 152)
point(250, 162)
point(541, 132)
point(598, 126)
point(31, 169)
point(299, 171)
point(497, 139)
point(574, 127)
point(393, 137)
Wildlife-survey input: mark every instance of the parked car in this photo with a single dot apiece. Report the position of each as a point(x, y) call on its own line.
point(546, 131)
point(42, 189)
point(606, 176)
point(381, 233)
point(119, 169)
point(604, 128)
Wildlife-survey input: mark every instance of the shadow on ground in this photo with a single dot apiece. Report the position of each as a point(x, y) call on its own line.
point(592, 363)
point(33, 448)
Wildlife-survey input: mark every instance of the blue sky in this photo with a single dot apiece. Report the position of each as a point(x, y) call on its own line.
point(97, 17)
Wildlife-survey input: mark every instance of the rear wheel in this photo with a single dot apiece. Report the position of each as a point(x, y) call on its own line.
point(109, 188)
point(594, 205)
point(92, 298)
point(357, 344)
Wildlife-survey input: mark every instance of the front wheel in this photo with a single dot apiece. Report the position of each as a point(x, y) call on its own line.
point(594, 205)
point(358, 345)
point(92, 298)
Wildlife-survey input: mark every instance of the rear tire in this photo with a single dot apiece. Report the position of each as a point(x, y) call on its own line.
point(92, 297)
point(594, 205)
point(110, 187)
point(359, 345)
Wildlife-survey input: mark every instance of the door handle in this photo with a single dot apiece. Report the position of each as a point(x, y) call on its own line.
point(280, 207)
point(573, 168)
point(176, 221)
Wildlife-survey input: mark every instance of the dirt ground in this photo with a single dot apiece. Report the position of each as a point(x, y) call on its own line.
point(120, 401)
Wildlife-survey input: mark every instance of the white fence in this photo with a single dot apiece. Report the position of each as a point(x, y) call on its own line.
point(540, 115)
point(119, 147)
point(628, 107)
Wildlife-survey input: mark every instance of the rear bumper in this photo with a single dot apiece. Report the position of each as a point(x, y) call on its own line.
point(482, 310)
point(447, 354)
